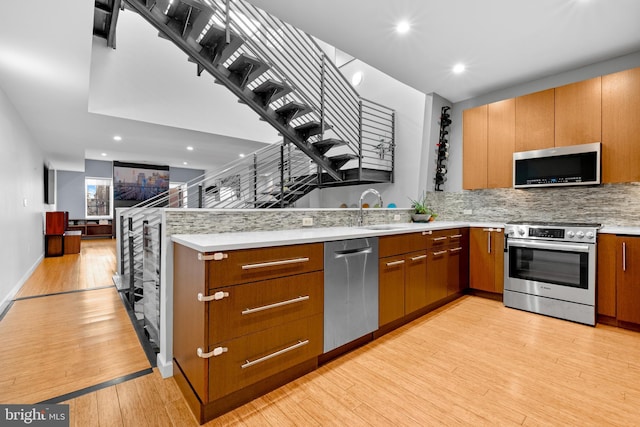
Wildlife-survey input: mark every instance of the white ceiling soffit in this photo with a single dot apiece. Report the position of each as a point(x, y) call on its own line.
point(502, 42)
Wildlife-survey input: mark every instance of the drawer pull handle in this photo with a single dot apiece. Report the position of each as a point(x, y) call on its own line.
point(274, 263)
point(416, 258)
point(488, 229)
point(455, 236)
point(215, 297)
point(439, 253)
point(274, 305)
point(218, 256)
point(427, 233)
point(272, 355)
point(216, 352)
point(437, 239)
point(392, 263)
point(455, 249)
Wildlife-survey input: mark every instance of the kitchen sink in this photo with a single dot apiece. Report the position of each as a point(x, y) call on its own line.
point(385, 227)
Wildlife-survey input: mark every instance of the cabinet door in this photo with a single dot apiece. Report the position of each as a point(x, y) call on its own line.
point(415, 281)
point(621, 127)
point(501, 135)
point(391, 289)
point(628, 278)
point(535, 121)
point(481, 265)
point(497, 249)
point(458, 264)
point(578, 113)
point(474, 141)
point(437, 274)
point(606, 285)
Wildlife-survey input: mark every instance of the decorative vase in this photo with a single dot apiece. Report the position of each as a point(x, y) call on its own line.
point(416, 217)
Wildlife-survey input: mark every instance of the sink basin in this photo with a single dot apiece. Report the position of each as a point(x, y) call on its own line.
point(385, 227)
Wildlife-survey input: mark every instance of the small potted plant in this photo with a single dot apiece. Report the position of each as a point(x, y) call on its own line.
point(422, 212)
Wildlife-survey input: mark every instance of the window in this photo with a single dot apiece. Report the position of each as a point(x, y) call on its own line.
point(99, 197)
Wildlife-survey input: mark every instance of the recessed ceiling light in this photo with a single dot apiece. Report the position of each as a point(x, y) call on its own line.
point(103, 154)
point(241, 155)
point(117, 138)
point(458, 68)
point(185, 163)
point(403, 27)
point(190, 148)
point(356, 79)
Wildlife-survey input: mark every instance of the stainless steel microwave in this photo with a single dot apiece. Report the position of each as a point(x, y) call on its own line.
point(560, 166)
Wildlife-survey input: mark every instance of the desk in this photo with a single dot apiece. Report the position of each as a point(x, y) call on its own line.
point(72, 241)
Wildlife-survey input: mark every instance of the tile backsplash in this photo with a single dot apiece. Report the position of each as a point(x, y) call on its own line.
point(610, 204)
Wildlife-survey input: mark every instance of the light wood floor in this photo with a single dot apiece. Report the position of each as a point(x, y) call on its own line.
point(93, 267)
point(473, 362)
point(63, 342)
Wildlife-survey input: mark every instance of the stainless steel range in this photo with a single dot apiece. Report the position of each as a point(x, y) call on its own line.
point(550, 269)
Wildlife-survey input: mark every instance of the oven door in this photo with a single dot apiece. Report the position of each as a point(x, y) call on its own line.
point(559, 270)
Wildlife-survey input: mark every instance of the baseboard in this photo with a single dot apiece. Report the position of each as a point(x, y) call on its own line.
point(165, 368)
point(6, 301)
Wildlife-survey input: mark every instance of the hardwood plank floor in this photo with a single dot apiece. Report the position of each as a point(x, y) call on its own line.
point(58, 344)
point(472, 362)
point(93, 267)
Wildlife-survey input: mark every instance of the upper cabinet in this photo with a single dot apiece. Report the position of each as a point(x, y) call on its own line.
point(535, 121)
point(578, 113)
point(474, 150)
point(621, 126)
point(501, 134)
point(603, 109)
point(488, 135)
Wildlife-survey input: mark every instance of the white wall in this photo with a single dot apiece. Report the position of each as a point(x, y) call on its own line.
point(21, 183)
point(409, 105)
point(454, 174)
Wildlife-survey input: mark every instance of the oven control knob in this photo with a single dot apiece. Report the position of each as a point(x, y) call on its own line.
point(521, 231)
point(590, 235)
point(580, 234)
point(570, 234)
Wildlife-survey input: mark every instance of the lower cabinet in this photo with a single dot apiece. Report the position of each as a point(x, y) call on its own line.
point(245, 322)
point(420, 269)
point(486, 259)
point(618, 287)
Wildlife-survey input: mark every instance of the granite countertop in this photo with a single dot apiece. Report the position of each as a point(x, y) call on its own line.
point(259, 239)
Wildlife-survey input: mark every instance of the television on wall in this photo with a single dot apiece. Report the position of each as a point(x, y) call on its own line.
point(137, 182)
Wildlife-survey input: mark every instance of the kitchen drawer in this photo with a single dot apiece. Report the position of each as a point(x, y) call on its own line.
point(252, 265)
point(248, 308)
point(440, 238)
point(254, 357)
point(400, 244)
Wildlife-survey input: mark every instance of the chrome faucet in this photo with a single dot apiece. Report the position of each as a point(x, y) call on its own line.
point(361, 213)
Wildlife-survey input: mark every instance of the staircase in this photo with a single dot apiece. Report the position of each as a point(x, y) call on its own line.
point(284, 76)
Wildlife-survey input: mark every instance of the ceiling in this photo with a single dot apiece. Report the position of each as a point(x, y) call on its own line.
point(65, 84)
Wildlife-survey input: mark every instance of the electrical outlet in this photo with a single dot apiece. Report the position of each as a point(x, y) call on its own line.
point(468, 212)
point(307, 222)
point(396, 217)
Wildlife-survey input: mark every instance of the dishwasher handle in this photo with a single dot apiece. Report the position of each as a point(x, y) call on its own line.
point(352, 252)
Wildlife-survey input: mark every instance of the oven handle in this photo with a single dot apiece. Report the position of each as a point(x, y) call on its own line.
point(567, 247)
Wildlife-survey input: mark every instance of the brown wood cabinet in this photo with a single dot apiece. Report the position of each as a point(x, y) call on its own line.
point(621, 126)
point(535, 121)
point(436, 268)
point(501, 135)
point(486, 259)
point(619, 280)
point(578, 113)
point(90, 228)
point(244, 322)
point(391, 274)
point(474, 154)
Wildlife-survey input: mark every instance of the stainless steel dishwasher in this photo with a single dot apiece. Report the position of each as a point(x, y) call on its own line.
point(350, 290)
